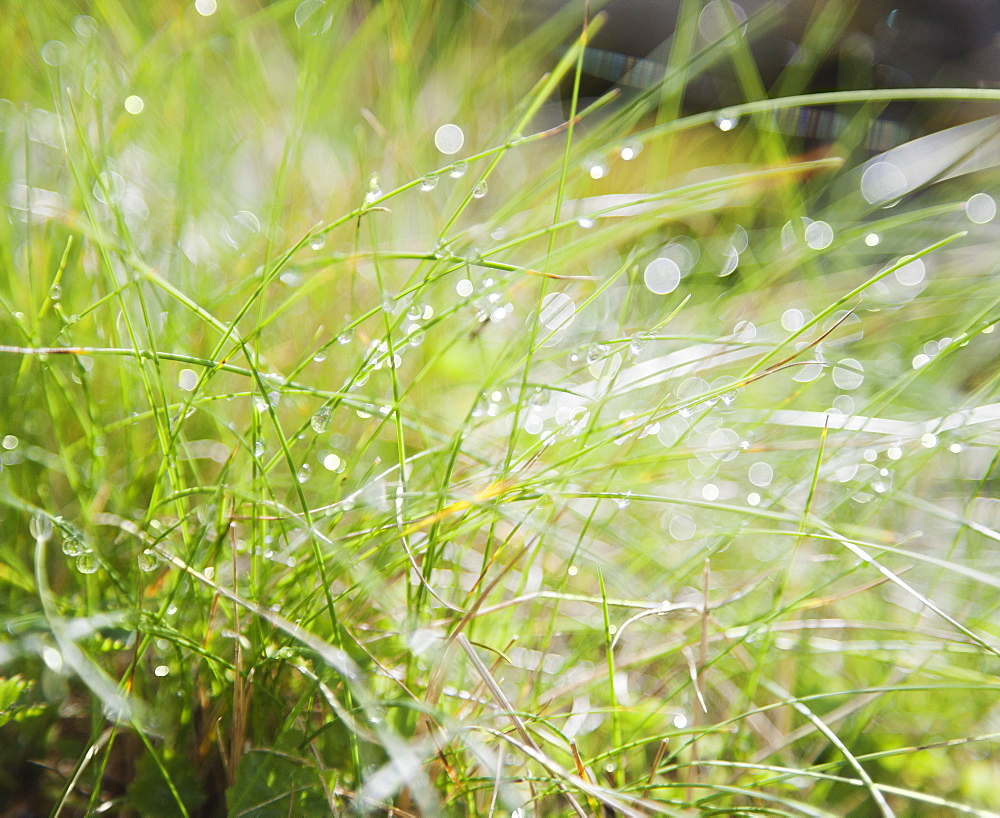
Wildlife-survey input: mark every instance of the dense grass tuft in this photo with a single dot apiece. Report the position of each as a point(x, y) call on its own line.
point(616, 461)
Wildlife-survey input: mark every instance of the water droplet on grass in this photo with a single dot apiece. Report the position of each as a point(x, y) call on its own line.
point(848, 374)
point(147, 560)
point(631, 150)
point(457, 171)
point(320, 421)
point(681, 527)
point(87, 563)
point(730, 263)
point(585, 222)
point(792, 319)
point(911, 274)
point(312, 18)
point(981, 208)
point(449, 139)
point(724, 444)
point(661, 276)
point(595, 354)
point(73, 546)
point(304, 473)
point(84, 26)
point(557, 311)
point(760, 474)
point(428, 183)
point(317, 242)
point(882, 182)
point(187, 379)
point(819, 235)
point(480, 190)
point(54, 53)
point(40, 527)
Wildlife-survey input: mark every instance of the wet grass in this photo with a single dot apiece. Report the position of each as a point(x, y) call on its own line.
point(619, 460)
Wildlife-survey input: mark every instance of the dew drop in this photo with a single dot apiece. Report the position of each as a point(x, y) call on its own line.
point(54, 53)
point(981, 208)
point(792, 319)
point(320, 356)
point(731, 262)
point(73, 546)
point(428, 183)
point(848, 374)
point(631, 150)
point(259, 447)
point(480, 190)
point(585, 222)
point(320, 421)
point(449, 139)
point(87, 563)
point(662, 275)
point(310, 18)
point(187, 379)
point(595, 354)
point(345, 337)
point(317, 242)
point(55, 292)
point(40, 526)
point(557, 311)
point(910, 275)
point(920, 360)
point(533, 424)
point(85, 26)
point(637, 345)
point(624, 501)
point(808, 372)
point(819, 235)
point(457, 171)
point(760, 474)
point(681, 527)
point(147, 560)
point(304, 473)
point(374, 188)
point(724, 444)
point(882, 182)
